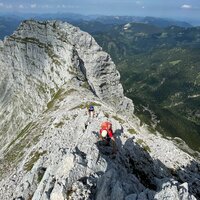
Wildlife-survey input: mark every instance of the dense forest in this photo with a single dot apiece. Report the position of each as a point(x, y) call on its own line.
point(160, 72)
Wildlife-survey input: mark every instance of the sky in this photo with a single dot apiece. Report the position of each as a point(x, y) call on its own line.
point(175, 9)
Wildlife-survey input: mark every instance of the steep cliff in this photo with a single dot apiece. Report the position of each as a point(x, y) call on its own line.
point(50, 73)
point(41, 57)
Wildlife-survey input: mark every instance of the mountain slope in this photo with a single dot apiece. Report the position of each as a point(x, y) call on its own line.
point(160, 70)
point(39, 51)
point(54, 72)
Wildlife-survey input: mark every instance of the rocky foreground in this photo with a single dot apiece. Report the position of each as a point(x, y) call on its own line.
point(50, 73)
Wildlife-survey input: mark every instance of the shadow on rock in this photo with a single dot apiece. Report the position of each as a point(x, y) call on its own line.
point(191, 175)
point(134, 174)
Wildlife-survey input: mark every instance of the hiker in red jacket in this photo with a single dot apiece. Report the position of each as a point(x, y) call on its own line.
point(106, 134)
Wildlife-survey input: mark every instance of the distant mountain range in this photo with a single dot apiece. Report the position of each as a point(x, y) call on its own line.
point(161, 22)
point(8, 23)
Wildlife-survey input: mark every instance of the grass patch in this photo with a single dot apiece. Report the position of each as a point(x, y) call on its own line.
point(86, 105)
point(59, 96)
point(132, 131)
point(56, 96)
point(151, 130)
point(34, 158)
point(139, 141)
point(59, 125)
point(80, 106)
point(146, 148)
point(14, 156)
point(144, 145)
point(40, 176)
point(21, 134)
point(121, 121)
point(106, 114)
point(69, 91)
point(86, 85)
point(15, 152)
point(37, 138)
point(42, 88)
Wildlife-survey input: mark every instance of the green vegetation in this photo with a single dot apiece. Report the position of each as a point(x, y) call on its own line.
point(144, 145)
point(139, 141)
point(39, 178)
point(80, 106)
point(86, 105)
point(23, 132)
point(86, 85)
point(132, 131)
point(42, 88)
point(55, 58)
point(159, 69)
point(34, 158)
point(56, 96)
point(15, 151)
point(59, 125)
point(59, 96)
point(121, 121)
point(68, 92)
point(106, 114)
point(47, 47)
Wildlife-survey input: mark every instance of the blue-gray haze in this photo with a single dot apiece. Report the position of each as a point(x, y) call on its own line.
point(177, 9)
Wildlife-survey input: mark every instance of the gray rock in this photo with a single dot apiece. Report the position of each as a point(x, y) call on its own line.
point(131, 197)
point(50, 72)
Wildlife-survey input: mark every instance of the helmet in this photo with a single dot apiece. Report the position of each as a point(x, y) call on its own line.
point(104, 133)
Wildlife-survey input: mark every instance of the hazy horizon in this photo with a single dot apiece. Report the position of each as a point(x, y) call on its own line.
point(187, 10)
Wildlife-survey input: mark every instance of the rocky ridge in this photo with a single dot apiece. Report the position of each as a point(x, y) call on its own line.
point(39, 58)
point(51, 71)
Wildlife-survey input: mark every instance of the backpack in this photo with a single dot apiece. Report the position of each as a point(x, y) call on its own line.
point(105, 125)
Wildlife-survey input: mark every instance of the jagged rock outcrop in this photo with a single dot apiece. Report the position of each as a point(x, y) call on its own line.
point(39, 58)
point(51, 71)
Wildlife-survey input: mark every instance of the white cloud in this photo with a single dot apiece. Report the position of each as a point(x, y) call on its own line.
point(63, 6)
point(21, 6)
point(186, 6)
point(33, 5)
point(1, 4)
point(138, 2)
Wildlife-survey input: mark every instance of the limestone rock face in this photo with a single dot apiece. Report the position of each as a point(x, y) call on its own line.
point(42, 56)
point(50, 149)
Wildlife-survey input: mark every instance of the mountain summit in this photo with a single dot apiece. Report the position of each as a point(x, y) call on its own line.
point(50, 73)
